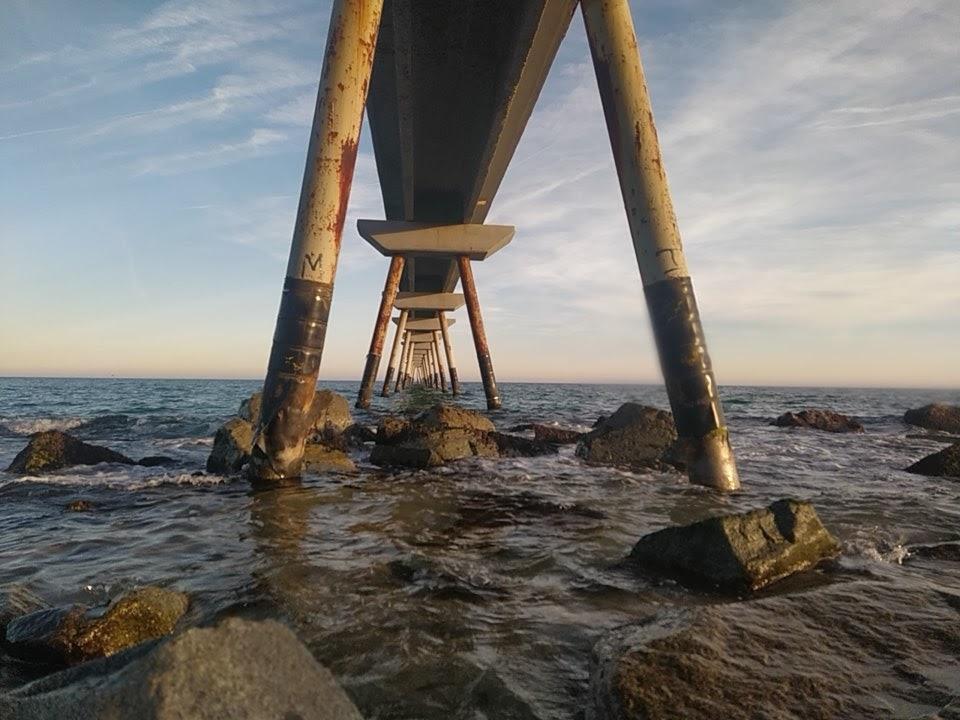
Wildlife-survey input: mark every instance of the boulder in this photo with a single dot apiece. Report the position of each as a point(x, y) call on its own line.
point(358, 435)
point(945, 463)
point(66, 636)
point(321, 458)
point(554, 434)
point(231, 447)
point(516, 446)
point(935, 416)
point(54, 449)
point(238, 669)
point(826, 420)
point(635, 436)
point(838, 651)
point(745, 551)
point(330, 411)
point(442, 434)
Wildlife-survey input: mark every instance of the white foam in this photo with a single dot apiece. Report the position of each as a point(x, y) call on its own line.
point(28, 426)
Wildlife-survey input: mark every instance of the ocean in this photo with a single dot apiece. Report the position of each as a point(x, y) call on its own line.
point(478, 590)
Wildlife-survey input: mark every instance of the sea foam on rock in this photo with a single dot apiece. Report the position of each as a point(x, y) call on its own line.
point(816, 419)
point(745, 551)
point(66, 636)
point(945, 463)
point(935, 416)
point(635, 436)
point(239, 669)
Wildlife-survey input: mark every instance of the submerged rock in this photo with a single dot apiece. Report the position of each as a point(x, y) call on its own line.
point(238, 669)
point(156, 461)
point(851, 650)
point(746, 551)
point(936, 551)
point(321, 458)
point(54, 449)
point(935, 416)
point(554, 434)
point(442, 434)
point(945, 463)
point(516, 446)
point(79, 505)
point(826, 420)
point(635, 436)
point(231, 447)
point(61, 636)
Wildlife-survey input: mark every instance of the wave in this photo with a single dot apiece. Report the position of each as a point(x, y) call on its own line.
point(22, 427)
point(117, 481)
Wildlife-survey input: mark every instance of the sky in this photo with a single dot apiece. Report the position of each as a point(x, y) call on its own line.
point(151, 155)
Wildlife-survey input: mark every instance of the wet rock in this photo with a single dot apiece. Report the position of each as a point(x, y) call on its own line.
point(322, 458)
point(554, 434)
point(635, 436)
point(156, 461)
point(936, 416)
point(79, 505)
point(817, 655)
point(53, 450)
point(329, 411)
point(945, 463)
point(59, 636)
point(231, 447)
point(238, 669)
point(358, 435)
point(936, 551)
point(746, 551)
point(516, 446)
point(442, 434)
point(826, 420)
point(15, 601)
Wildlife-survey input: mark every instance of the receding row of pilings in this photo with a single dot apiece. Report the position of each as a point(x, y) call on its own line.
point(305, 304)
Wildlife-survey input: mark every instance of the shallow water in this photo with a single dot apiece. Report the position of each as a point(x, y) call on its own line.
point(478, 590)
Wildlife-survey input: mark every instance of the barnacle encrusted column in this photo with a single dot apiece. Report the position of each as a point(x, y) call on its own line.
point(686, 366)
point(294, 364)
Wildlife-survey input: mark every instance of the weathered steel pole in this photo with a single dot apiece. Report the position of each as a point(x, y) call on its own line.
point(408, 365)
point(448, 350)
point(370, 370)
point(395, 353)
point(479, 335)
point(294, 364)
point(436, 352)
point(686, 366)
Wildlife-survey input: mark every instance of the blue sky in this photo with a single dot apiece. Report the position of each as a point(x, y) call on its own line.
point(151, 155)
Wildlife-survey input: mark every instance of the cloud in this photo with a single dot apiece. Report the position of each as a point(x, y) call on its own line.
point(260, 141)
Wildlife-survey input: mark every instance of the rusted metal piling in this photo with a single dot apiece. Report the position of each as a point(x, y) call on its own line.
point(436, 352)
point(686, 366)
point(395, 352)
point(295, 356)
point(390, 287)
point(479, 334)
point(448, 351)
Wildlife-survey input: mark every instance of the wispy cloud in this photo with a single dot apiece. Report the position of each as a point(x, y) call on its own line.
point(259, 142)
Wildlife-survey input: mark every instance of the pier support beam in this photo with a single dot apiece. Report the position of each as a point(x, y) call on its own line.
point(686, 366)
point(370, 370)
point(436, 352)
point(404, 379)
point(294, 364)
point(448, 351)
point(394, 364)
point(479, 334)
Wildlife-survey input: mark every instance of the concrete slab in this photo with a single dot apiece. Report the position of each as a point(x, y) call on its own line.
point(396, 237)
point(425, 324)
point(428, 301)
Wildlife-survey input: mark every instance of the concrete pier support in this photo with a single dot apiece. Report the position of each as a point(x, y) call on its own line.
point(479, 334)
point(686, 366)
point(436, 352)
point(408, 363)
point(301, 328)
point(390, 287)
point(448, 351)
point(394, 364)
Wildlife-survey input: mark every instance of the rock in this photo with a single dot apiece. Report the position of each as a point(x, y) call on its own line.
point(358, 435)
point(231, 447)
point(17, 600)
point(60, 636)
point(330, 411)
point(79, 505)
point(321, 458)
point(238, 669)
point(817, 655)
point(54, 449)
point(936, 551)
point(635, 436)
point(442, 434)
point(554, 434)
point(819, 420)
point(156, 461)
point(936, 416)
point(746, 551)
point(945, 463)
point(516, 446)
